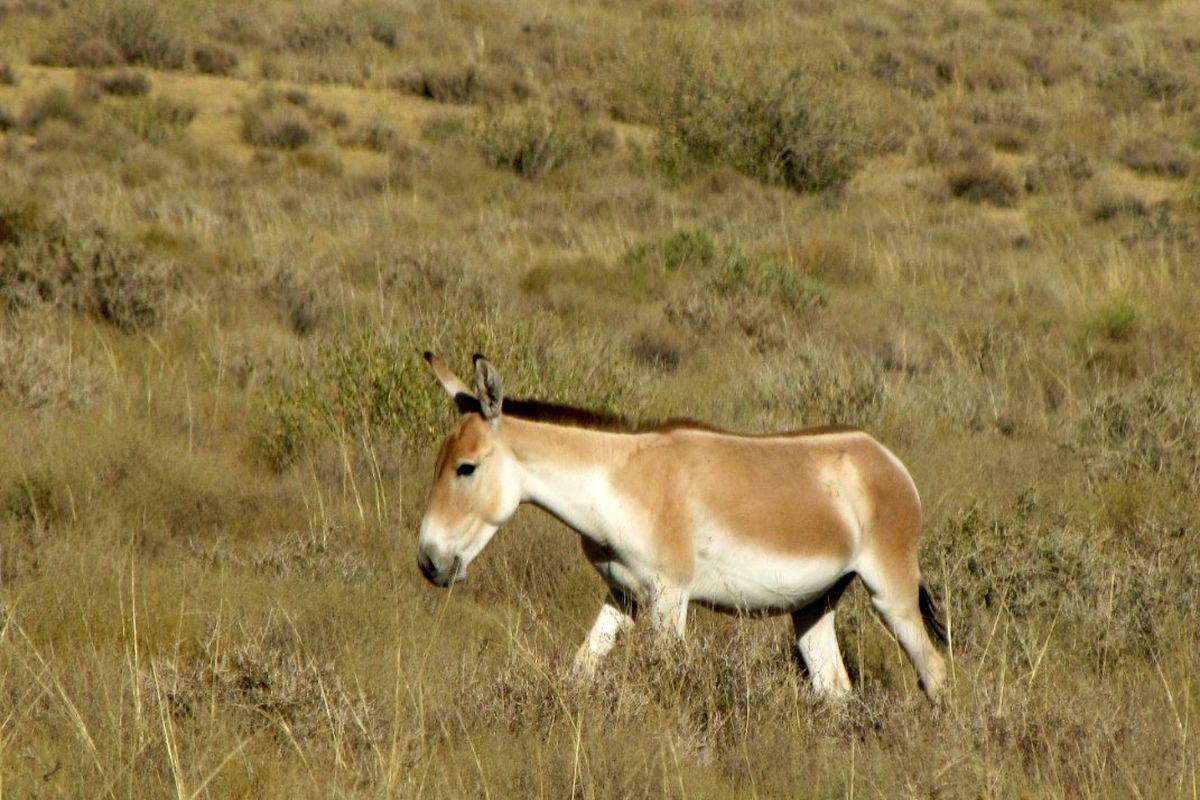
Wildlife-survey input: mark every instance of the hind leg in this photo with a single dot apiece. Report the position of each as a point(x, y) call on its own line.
point(895, 594)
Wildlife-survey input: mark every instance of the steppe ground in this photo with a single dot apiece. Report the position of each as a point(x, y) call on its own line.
point(227, 231)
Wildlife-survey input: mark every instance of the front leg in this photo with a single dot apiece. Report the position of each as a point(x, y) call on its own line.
point(668, 613)
point(616, 615)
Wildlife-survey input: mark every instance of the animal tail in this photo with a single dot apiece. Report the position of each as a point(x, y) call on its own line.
point(932, 615)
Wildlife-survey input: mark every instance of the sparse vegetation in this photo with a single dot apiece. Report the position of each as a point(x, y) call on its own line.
point(227, 234)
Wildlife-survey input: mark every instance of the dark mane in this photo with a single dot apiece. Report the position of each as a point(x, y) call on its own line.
point(572, 416)
point(557, 414)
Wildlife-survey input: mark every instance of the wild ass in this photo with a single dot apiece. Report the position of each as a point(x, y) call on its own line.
point(686, 513)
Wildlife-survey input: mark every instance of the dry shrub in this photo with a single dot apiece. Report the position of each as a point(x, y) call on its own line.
point(808, 384)
point(919, 70)
point(53, 104)
point(658, 348)
point(154, 120)
point(88, 271)
point(299, 300)
point(124, 84)
point(460, 85)
point(7, 120)
point(268, 676)
point(1026, 567)
point(984, 182)
point(1156, 155)
point(1059, 171)
point(832, 259)
point(314, 556)
point(1149, 428)
point(377, 136)
point(317, 29)
point(213, 59)
point(8, 76)
point(531, 141)
point(38, 369)
point(713, 289)
point(269, 124)
point(1008, 120)
point(138, 31)
point(1107, 197)
point(1126, 87)
point(941, 142)
point(785, 126)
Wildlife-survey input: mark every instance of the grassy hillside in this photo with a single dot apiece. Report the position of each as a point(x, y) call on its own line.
point(227, 232)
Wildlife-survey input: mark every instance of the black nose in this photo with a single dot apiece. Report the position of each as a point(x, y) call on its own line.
point(425, 563)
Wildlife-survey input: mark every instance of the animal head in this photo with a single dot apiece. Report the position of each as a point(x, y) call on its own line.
point(477, 482)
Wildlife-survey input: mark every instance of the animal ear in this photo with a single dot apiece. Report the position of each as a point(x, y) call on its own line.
point(488, 389)
point(452, 384)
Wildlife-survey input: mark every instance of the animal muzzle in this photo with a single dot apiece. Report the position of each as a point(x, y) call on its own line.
point(439, 574)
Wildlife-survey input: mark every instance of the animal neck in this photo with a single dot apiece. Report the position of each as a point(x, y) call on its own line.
point(568, 471)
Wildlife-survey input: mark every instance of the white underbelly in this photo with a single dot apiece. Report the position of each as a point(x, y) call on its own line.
point(750, 579)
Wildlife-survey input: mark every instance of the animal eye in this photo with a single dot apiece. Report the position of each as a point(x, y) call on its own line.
point(465, 469)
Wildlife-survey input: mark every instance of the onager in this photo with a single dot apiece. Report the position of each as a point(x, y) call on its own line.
point(679, 513)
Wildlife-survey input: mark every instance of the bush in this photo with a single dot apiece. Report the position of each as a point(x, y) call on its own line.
point(317, 31)
point(683, 250)
point(215, 60)
point(531, 142)
point(125, 84)
point(984, 182)
point(1149, 428)
point(54, 103)
point(279, 127)
point(370, 386)
point(136, 30)
point(39, 370)
point(459, 85)
point(155, 121)
point(1156, 155)
point(784, 127)
point(88, 271)
point(768, 278)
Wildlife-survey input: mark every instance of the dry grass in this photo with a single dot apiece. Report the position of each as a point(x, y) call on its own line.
point(971, 228)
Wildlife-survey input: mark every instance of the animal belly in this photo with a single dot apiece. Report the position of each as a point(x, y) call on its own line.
point(743, 579)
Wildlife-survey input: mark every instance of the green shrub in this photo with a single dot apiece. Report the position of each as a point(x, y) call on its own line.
point(769, 278)
point(725, 270)
point(683, 250)
point(1116, 322)
point(369, 385)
